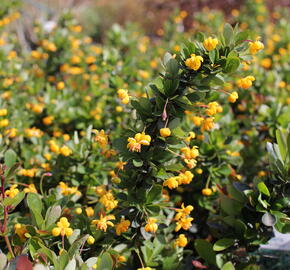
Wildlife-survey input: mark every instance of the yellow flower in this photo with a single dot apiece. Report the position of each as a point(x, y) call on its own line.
point(190, 137)
point(122, 226)
point(108, 200)
point(171, 182)
point(11, 132)
point(3, 112)
point(197, 120)
point(184, 223)
point(62, 228)
point(30, 188)
point(206, 191)
point(151, 225)
point(143, 74)
point(78, 211)
point(207, 124)
point(256, 46)
point(91, 240)
point(210, 43)
point(13, 191)
point(199, 171)
point(194, 62)
point(90, 211)
point(123, 96)
point(101, 137)
point(66, 190)
point(185, 178)
point(47, 120)
point(190, 153)
point(134, 144)
point(121, 259)
point(183, 212)
point(104, 222)
point(145, 268)
point(60, 85)
point(53, 146)
point(100, 190)
point(20, 230)
point(65, 151)
point(233, 97)
point(266, 63)
point(246, 82)
point(181, 241)
point(165, 132)
point(213, 108)
point(4, 123)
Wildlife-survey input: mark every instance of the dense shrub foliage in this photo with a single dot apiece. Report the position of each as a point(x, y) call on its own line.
point(165, 152)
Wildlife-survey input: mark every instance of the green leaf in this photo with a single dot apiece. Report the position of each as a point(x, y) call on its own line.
point(137, 163)
point(282, 143)
point(205, 250)
point(35, 205)
point(172, 67)
point(212, 56)
point(10, 158)
point(170, 86)
point(105, 262)
point(71, 265)
point(52, 215)
point(263, 189)
point(63, 259)
point(228, 33)
point(230, 206)
point(154, 194)
point(223, 244)
point(195, 96)
point(14, 201)
point(232, 64)
point(228, 266)
point(76, 246)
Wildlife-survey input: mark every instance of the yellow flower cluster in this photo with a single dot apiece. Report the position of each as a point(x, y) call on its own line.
point(13, 191)
point(28, 172)
point(10, 18)
point(62, 228)
point(189, 156)
point(134, 144)
point(213, 108)
point(182, 217)
point(194, 62)
point(64, 150)
point(108, 200)
point(175, 181)
point(123, 96)
point(66, 190)
point(233, 97)
point(210, 43)
point(33, 132)
point(246, 82)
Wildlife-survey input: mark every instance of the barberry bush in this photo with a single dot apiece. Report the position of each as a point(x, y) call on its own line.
point(121, 155)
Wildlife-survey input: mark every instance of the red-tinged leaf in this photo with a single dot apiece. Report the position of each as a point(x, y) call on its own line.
point(198, 264)
point(23, 263)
